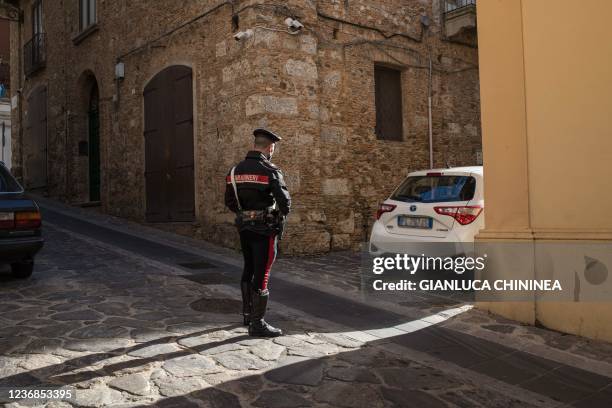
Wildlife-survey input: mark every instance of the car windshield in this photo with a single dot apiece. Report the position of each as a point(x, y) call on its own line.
point(435, 189)
point(7, 183)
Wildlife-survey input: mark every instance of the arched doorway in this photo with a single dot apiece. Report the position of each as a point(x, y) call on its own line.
point(84, 179)
point(169, 155)
point(93, 132)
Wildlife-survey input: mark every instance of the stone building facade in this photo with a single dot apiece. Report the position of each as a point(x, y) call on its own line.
point(5, 87)
point(143, 106)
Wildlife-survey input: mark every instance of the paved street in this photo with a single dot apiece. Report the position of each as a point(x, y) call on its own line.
point(131, 316)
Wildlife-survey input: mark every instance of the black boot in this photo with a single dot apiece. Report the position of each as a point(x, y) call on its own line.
point(258, 326)
point(247, 305)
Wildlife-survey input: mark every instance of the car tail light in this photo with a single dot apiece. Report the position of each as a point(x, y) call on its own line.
point(434, 174)
point(463, 214)
point(27, 219)
point(383, 208)
point(7, 220)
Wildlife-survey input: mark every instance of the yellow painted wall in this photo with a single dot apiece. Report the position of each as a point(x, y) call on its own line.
point(546, 92)
point(503, 114)
point(568, 82)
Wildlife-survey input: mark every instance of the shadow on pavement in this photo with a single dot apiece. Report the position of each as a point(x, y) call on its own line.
point(32, 377)
point(372, 378)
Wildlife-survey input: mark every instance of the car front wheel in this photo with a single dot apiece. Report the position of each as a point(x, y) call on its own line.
point(22, 270)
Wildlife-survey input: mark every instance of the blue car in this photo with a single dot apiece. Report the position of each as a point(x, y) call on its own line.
point(20, 226)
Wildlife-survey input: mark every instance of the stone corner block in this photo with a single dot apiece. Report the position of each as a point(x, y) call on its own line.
point(258, 104)
point(338, 186)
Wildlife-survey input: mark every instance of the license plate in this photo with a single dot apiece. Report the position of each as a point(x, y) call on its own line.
point(414, 222)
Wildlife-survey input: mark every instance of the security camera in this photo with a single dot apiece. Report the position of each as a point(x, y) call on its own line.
point(293, 25)
point(243, 35)
point(425, 21)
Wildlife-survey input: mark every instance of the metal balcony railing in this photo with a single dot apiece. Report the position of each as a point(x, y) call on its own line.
point(35, 54)
point(452, 5)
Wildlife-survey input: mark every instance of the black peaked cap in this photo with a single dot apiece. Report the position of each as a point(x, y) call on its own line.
point(267, 134)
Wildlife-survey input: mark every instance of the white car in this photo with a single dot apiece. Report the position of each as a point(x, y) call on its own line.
point(434, 212)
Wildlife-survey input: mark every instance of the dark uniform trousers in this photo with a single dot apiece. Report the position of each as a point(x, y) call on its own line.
point(259, 253)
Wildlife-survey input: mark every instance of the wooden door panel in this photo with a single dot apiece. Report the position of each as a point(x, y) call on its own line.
point(183, 205)
point(169, 162)
point(182, 96)
point(36, 139)
point(183, 145)
point(155, 160)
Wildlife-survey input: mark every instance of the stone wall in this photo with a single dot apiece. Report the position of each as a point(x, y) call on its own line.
point(315, 88)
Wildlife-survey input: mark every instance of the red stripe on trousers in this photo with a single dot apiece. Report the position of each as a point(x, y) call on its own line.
point(264, 282)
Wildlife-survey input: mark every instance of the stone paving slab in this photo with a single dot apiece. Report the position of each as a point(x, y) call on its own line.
point(163, 352)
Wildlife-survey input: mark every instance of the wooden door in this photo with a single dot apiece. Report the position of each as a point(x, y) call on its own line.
point(35, 143)
point(169, 154)
point(93, 119)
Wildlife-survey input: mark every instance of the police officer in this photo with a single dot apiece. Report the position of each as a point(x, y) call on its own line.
point(256, 192)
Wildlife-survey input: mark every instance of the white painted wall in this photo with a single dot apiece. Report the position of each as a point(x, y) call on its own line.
point(5, 139)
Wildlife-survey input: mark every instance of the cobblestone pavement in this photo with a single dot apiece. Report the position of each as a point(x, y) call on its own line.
point(128, 331)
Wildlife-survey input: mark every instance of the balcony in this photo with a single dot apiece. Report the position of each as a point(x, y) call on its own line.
point(460, 17)
point(35, 54)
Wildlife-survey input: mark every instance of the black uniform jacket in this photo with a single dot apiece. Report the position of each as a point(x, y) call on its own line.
point(260, 184)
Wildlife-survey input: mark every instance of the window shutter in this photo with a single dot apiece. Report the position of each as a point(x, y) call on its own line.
point(388, 90)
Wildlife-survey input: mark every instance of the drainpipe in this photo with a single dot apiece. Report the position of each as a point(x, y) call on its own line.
point(425, 22)
point(67, 130)
point(429, 118)
point(20, 74)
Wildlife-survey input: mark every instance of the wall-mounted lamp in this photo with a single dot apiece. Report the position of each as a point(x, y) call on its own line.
point(120, 71)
